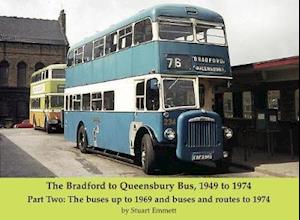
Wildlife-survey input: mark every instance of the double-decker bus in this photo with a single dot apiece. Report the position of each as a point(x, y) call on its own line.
point(47, 97)
point(145, 87)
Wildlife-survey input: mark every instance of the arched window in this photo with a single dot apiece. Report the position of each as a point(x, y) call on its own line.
point(21, 80)
point(39, 66)
point(4, 65)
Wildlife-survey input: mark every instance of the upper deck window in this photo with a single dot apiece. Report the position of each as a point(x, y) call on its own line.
point(143, 31)
point(176, 29)
point(71, 58)
point(111, 43)
point(79, 55)
point(88, 50)
point(125, 39)
point(210, 34)
point(99, 48)
point(58, 74)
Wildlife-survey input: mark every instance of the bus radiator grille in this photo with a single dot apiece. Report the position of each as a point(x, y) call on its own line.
point(202, 134)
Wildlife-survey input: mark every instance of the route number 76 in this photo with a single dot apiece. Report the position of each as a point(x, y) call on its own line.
point(174, 63)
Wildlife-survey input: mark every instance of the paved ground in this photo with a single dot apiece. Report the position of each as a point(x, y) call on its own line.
point(30, 153)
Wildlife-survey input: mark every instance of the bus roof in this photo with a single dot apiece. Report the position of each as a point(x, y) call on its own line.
point(53, 66)
point(168, 10)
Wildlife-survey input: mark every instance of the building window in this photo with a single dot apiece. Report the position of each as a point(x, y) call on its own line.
point(22, 109)
point(97, 101)
point(4, 110)
point(140, 95)
point(125, 39)
point(273, 99)
point(4, 73)
point(228, 105)
point(21, 71)
point(39, 66)
point(143, 31)
point(247, 105)
point(109, 100)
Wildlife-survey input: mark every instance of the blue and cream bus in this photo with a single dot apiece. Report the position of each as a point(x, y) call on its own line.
point(145, 87)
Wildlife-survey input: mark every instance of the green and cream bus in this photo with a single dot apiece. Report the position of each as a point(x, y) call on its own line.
point(47, 97)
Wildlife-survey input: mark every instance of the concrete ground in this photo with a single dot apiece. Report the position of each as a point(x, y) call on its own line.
point(30, 153)
point(279, 165)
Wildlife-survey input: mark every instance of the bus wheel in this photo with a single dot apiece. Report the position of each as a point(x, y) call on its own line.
point(82, 142)
point(47, 127)
point(148, 155)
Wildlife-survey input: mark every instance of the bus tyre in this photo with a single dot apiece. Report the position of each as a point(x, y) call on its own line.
point(82, 142)
point(47, 127)
point(148, 155)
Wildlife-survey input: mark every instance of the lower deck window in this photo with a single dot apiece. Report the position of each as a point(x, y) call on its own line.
point(35, 103)
point(109, 100)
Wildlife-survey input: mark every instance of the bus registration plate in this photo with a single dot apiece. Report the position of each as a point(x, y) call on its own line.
point(202, 156)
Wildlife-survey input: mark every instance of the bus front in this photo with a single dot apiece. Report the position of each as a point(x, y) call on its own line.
point(194, 61)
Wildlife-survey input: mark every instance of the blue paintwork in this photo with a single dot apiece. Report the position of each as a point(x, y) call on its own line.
point(113, 127)
point(134, 61)
point(171, 10)
point(186, 153)
point(140, 60)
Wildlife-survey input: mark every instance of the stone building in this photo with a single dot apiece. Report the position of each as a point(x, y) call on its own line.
point(26, 45)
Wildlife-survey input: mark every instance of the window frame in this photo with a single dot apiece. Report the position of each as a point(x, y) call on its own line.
point(103, 44)
point(104, 100)
point(97, 99)
point(138, 98)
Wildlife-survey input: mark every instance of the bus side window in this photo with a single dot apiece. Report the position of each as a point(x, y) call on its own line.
point(35, 103)
point(47, 102)
point(109, 100)
point(140, 95)
point(67, 103)
point(71, 58)
point(79, 55)
point(152, 95)
point(97, 101)
point(88, 49)
point(71, 103)
point(111, 43)
point(77, 102)
point(86, 102)
point(99, 48)
point(125, 37)
point(143, 31)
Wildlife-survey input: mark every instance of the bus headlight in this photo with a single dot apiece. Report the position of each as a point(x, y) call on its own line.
point(228, 133)
point(170, 134)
